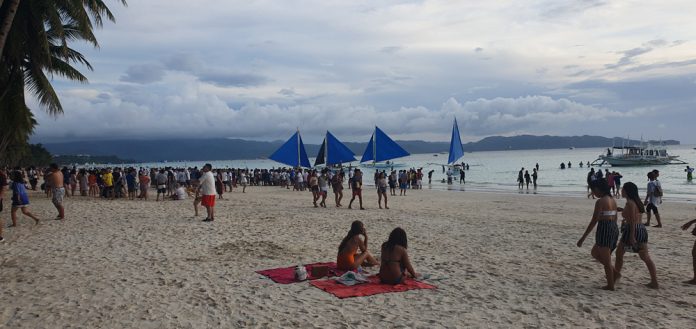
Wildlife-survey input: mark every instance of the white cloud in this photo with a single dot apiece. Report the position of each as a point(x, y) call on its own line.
point(254, 69)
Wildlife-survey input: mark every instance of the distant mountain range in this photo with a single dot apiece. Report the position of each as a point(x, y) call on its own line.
point(232, 149)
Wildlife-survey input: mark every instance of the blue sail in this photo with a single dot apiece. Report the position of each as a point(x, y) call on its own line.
point(368, 155)
point(456, 150)
point(337, 152)
point(292, 153)
point(382, 148)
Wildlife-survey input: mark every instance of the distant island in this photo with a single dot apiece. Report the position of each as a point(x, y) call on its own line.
point(126, 151)
point(87, 159)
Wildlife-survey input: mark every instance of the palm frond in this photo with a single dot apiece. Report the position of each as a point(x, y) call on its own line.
point(64, 69)
point(36, 82)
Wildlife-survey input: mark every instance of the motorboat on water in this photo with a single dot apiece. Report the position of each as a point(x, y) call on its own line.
point(639, 155)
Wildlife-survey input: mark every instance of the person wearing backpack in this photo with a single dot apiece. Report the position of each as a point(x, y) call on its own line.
point(653, 198)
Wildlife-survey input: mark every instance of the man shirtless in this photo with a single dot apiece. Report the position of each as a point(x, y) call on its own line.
point(56, 181)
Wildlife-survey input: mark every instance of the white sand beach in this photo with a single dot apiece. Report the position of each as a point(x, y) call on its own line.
point(498, 261)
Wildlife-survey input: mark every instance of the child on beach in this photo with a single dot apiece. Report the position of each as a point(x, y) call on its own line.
point(607, 234)
point(634, 236)
point(20, 198)
point(395, 263)
point(693, 250)
point(348, 257)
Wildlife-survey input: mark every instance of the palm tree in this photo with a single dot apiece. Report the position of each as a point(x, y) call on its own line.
point(34, 41)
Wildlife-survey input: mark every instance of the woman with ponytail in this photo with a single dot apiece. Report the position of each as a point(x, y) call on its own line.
point(634, 235)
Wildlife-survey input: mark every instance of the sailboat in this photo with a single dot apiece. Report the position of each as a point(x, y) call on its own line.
point(333, 152)
point(292, 153)
point(382, 148)
point(456, 150)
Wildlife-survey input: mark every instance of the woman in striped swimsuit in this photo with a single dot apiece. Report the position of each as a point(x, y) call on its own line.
point(634, 236)
point(607, 233)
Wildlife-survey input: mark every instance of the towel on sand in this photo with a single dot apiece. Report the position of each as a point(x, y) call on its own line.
point(286, 275)
point(373, 287)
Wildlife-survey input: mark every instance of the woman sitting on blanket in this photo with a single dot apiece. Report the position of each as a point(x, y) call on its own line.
point(348, 257)
point(395, 263)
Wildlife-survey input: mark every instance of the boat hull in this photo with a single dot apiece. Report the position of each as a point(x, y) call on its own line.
point(637, 161)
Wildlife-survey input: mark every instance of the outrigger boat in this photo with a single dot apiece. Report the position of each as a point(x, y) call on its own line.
point(639, 155)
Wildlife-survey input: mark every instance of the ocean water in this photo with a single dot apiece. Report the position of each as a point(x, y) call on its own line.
point(496, 171)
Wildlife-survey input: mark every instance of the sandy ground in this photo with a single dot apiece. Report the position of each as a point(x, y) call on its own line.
point(498, 261)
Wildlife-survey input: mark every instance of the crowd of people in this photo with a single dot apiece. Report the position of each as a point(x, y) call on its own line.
point(205, 185)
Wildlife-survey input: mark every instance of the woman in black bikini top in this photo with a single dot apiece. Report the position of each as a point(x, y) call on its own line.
point(395, 263)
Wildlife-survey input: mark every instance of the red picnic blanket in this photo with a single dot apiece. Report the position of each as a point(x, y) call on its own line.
point(373, 287)
point(286, 275)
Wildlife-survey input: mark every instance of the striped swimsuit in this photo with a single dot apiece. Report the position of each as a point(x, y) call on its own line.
point(641, 234)
point(607, 234)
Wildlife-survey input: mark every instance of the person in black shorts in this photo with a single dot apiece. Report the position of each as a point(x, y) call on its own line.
point(3, 184)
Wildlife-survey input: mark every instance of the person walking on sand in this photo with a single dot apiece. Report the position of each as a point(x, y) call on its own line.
point(56, 179)
point(207, 191)
point(634, 236)
point(313, 183)
point(382, 190)
point(323, 187)
point(590, 178)
point(607, 234)
point(144, 180)
point(693, 250)
point(20, 198)
point(356, 187)
point(337, 186)
point(653, 199)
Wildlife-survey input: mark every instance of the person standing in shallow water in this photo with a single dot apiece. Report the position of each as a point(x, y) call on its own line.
point(634, 236)
point(527, 178)
point(520, 178)
point(535, 175)
point(607, 234)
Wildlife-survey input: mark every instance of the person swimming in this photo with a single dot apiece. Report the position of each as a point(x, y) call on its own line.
point(348, 257)
point(395, 264)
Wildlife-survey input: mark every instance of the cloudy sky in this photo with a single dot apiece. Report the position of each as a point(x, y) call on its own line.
point(260, 69)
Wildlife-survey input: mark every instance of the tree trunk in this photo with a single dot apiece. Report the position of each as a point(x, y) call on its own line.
point(6, 24)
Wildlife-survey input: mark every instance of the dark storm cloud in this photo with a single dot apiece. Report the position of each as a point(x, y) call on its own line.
point(144, 73)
